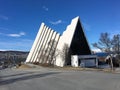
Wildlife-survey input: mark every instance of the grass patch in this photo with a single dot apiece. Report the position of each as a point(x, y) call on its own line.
point(24, 66)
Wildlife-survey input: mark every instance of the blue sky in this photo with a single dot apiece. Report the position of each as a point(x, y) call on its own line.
point(21, 19)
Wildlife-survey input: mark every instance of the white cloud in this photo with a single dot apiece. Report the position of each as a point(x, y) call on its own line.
point(56, 22)
point(3, 17)
point(45, 8)
point(16, 35)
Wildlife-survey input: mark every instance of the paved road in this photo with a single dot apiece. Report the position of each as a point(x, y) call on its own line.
point(46, 79)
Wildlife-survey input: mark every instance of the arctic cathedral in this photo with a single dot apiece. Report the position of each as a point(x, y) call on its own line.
point(48, 42)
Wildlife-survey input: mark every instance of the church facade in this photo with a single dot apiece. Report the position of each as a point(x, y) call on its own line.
point(52, 48)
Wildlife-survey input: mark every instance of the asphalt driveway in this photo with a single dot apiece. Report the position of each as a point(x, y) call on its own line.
point(48, 79)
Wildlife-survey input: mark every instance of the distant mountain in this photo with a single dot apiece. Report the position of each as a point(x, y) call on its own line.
point(4, 55)
point(14, 52)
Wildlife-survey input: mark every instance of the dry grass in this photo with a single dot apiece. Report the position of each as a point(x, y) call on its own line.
point(24, 66)
point(84, 69)
point(80, 69)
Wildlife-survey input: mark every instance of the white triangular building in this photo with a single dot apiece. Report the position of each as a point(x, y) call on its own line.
point(48, 42)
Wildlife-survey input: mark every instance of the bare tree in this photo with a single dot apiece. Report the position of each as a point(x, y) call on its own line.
point(107, 44)
point(116, 43)
point(104, 43)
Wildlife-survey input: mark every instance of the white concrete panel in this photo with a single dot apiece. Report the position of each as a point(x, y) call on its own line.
point(55, 46)
point(49, 50)
point(34, 44)
point(66, 38)
point(43, 49)
point(47, 44)
point(38, 45)
point(40, 49)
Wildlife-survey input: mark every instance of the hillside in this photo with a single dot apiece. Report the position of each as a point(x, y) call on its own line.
point(12, 57)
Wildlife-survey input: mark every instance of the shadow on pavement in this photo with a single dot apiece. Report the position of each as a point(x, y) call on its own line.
point(16, 79)
point(16, 74)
